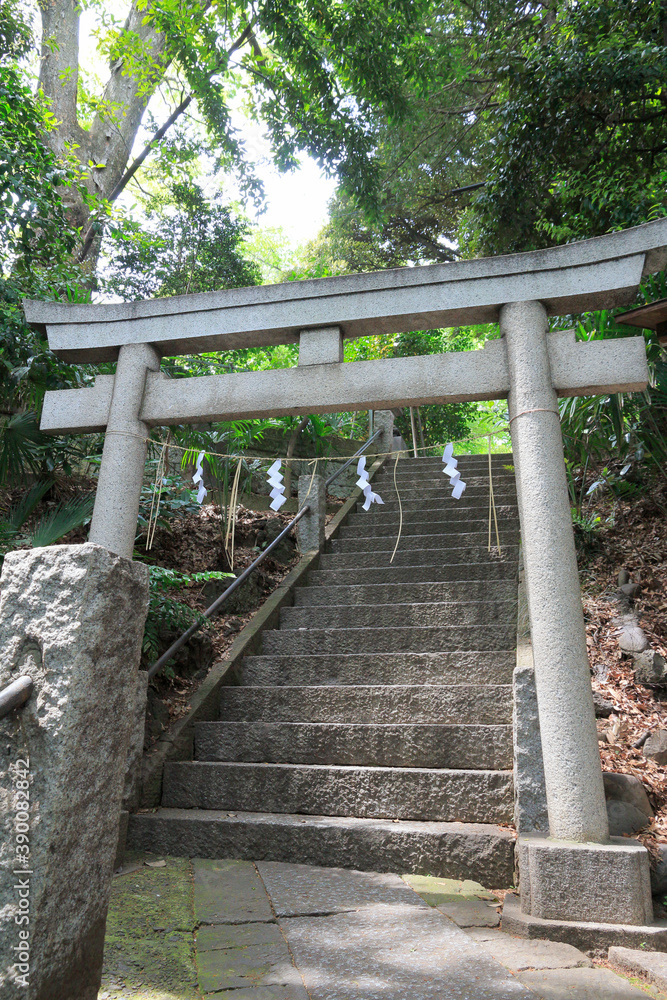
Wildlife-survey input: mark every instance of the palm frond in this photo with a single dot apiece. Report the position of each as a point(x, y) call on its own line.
point(20, 438)
point(60, 521)
point(20, 513)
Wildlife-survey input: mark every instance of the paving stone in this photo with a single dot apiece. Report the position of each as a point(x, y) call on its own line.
point(520, 954)
point(253, 965)
point(166, 964)
point(151, 901)
point(580, 984)
point(229, 892)
point(297, 890)
point(216, 937)
point(264, 993)
point(394, 952)
point(435, 891)
point(470, 912)
point(148, 948)
point(652, 964)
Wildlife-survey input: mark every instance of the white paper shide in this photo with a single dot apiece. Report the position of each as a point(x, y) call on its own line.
point(199, 478)
point(452, 471)
point(278, 497)
point(365, 486)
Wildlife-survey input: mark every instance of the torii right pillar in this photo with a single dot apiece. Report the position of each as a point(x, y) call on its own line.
point(578, 873)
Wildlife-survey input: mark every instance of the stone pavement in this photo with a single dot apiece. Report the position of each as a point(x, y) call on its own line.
point(190, 930)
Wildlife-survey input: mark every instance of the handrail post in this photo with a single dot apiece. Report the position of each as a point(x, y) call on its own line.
point(383, 421)
point(310, 530)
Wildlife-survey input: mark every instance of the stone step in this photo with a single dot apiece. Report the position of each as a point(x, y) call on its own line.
point(465, 704)
point(401, 615)
point(431, 746)
point(403, 593)
point(468, 667)
point(436, 465)
point(470, 796)
point(456, 572)
point(476, 477)
point(435, 542)
point(415, 499)
point(409, 639)
point(438, 501)
point(379, 526)
point(436, 481)
point(481, 852)
point(467, 462)
point(385, 484)
point(415, 513)
point(424, 461)
point(420, 557)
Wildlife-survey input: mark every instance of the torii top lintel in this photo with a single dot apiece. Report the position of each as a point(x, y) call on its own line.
point(592, 274)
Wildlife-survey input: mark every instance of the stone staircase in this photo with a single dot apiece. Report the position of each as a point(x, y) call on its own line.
point(374, 730)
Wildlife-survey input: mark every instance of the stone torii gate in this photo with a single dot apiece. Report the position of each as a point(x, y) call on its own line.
point(529, 366)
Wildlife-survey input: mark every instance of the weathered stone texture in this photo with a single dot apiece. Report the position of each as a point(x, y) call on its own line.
point(652, 965)
point(310, 529)
point(458, 850)
point(71, 617)
point(135, 751)
point(609, 883)
point(398, 793)
point(656, 746)
point(530, 800)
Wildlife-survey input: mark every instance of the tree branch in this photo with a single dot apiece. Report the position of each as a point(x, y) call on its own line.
point(150, 145)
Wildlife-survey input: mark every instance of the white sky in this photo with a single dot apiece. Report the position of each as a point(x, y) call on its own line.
point(296, 202)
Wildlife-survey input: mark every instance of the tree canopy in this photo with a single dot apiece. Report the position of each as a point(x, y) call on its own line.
point(540, 123)
point(313, 73)
point(187, 244)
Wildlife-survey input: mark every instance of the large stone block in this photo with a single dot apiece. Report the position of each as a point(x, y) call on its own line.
point(321, 347)
point(72, 618)
point(605, 883)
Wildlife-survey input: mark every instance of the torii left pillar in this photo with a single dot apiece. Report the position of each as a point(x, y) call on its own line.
point(114, 523)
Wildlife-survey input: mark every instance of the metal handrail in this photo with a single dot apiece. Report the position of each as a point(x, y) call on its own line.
point(210, 611)
point(352, 457)
point(175, 646)
point(15, 695)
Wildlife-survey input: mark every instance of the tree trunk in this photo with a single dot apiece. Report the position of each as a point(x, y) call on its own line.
point(59, 81)
point(420, 429)
point(105, 148)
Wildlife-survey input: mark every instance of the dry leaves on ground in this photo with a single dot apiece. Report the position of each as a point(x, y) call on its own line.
point(633, 537)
